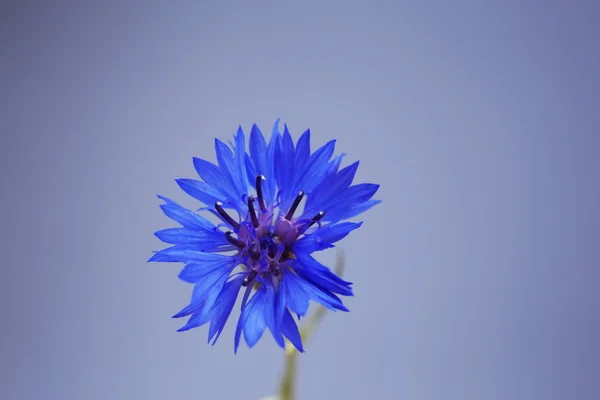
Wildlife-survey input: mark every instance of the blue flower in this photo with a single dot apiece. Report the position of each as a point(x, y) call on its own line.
point(263, 244)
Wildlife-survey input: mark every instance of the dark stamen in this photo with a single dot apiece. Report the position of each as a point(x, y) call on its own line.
point(261, 200)
point(317, 217)
point(226, 217)
point(292, 209)
point(249, 278)
point(252, 211)
point(234, 241)
point(254, 254)
point(313, 221)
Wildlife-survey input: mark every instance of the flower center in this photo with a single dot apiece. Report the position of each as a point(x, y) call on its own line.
point(265, 246)
point(269, 245)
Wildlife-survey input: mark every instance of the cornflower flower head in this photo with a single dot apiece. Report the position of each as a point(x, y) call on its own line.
point(262, 247)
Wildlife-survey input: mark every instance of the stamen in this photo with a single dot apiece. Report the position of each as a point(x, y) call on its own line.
point(252, 212)
point(292, 209)
point(249, 278)
point(254, 254)
point(313, 221)
point(261, 200)
point(226, 217)
point(234, 241)
point(317, 217)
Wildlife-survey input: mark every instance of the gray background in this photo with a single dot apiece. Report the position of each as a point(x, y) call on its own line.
point(477, 278)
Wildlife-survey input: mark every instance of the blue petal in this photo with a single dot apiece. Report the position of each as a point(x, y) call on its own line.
point(324, 280)
point(200, 307)
point(274, 308)
point(329, 299)
point(231, 172)
point(270, 184)
point(284, 168)
point(193, 273)
point(311, 175)
point(183, 253)
point(187, 218)
point(222, 307)
point(331, 189)
point(302, 150)
point(347, 212)
point(350, 202)
point(324, 237)
point(299, 291)
point(184, 235)
point(199, 317)
point(200, 191)
point(275, 130)
point(240, 324)
point(232, 164)
point(204, 296)
point(334, 232)
point(178, 235)
point(334, 165)
point(258, 149)
point(329, 173)
point(251, 171)
point(200, 304)
point(319, 275)
point(317, 165)
point(239, 160)
point(212, 175)
point(297, 296)
point(252, 321)
point(262, 161)
point(260, 312)
point(290, 331)
point(280, 308)
point(360, 193)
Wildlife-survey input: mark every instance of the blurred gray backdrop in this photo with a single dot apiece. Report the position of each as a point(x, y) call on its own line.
point(477, 278)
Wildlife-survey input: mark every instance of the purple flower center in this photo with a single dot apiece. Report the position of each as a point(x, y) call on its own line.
point(265, 247)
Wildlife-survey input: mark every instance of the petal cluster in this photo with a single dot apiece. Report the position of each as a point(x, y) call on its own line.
point(276, 205)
